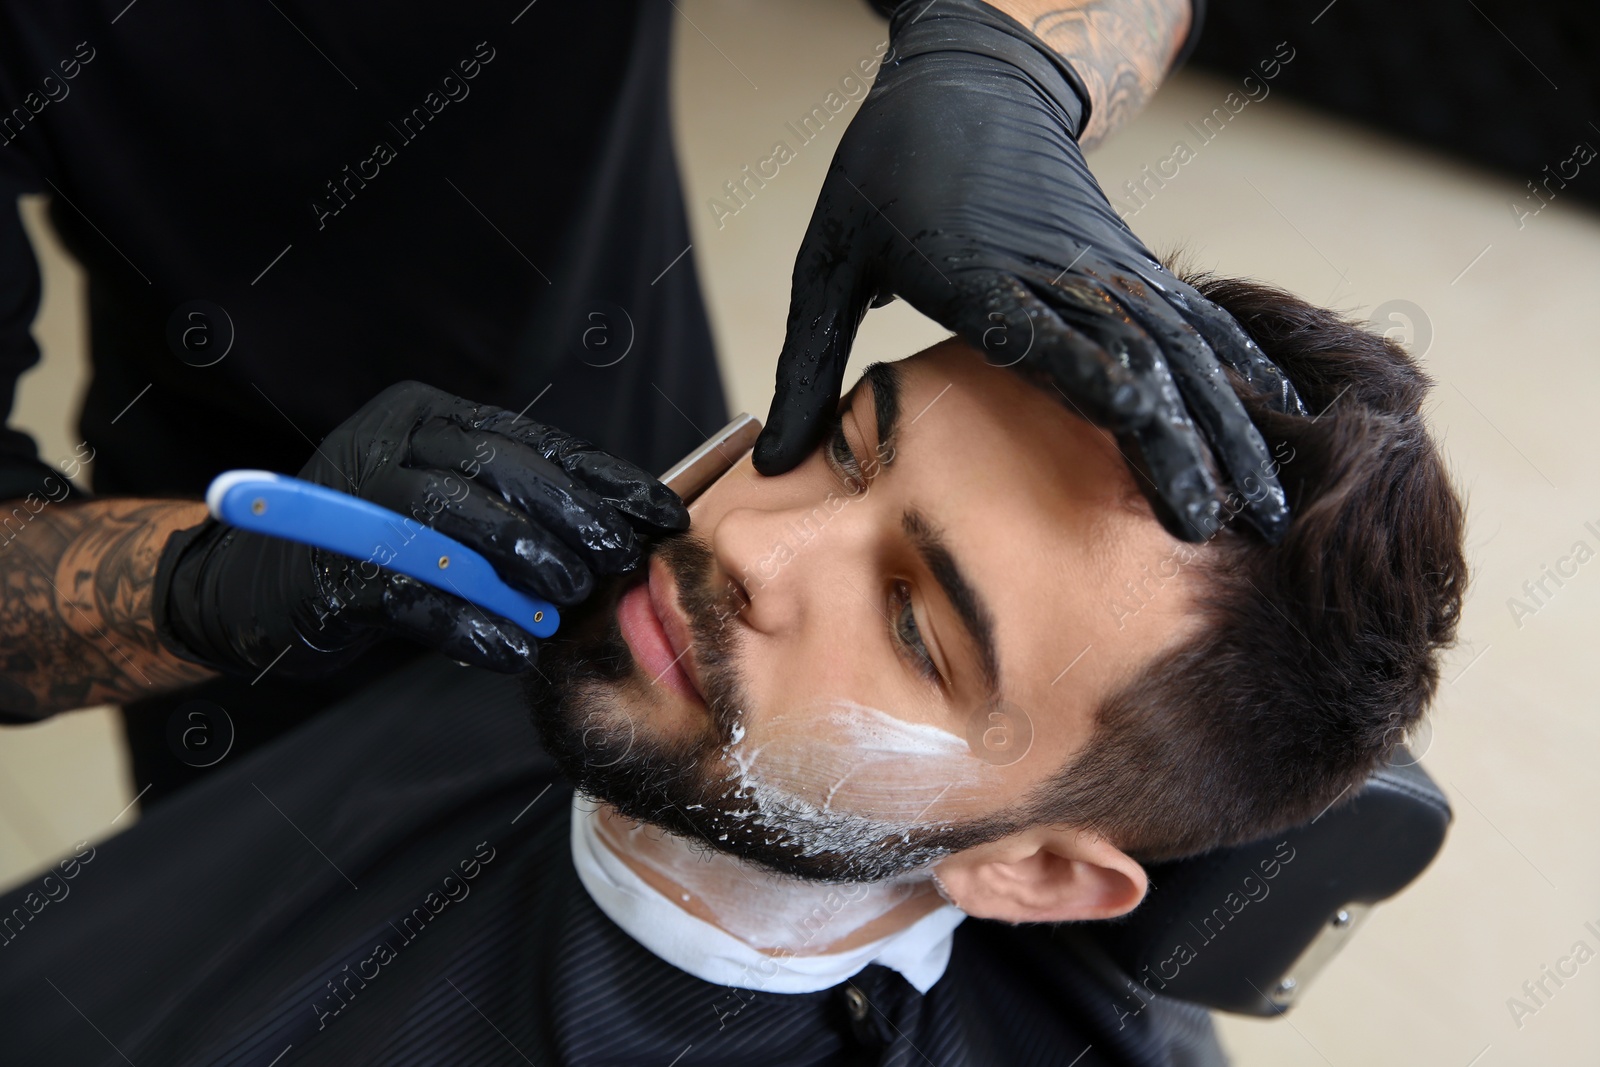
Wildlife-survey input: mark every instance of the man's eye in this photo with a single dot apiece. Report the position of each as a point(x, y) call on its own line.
point(842, 458)
point(905, 626)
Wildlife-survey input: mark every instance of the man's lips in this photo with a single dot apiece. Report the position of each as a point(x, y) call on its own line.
point(656, 631)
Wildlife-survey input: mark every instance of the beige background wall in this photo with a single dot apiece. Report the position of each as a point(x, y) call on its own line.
point(1342, 216)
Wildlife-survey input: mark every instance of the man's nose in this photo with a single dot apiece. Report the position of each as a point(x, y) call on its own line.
point(791, 560)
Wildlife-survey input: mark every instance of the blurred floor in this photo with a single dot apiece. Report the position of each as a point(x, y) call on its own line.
point(1431, 249)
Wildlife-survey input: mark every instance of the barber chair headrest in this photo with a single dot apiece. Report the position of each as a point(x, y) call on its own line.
point(1245, 929)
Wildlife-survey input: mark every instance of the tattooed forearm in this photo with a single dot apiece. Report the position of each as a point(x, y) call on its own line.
point(75, 625)
point(1121, 49)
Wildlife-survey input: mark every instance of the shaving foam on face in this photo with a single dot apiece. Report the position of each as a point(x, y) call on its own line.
point(846, 779)
point(861, 762)
point(843, 781)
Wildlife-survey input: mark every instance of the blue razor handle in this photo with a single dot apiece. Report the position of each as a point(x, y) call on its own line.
point(310, 514)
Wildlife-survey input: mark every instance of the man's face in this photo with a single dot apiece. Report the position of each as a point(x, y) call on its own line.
point(855, 668)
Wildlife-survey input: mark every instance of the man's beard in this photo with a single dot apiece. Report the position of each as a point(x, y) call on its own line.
point(692, 785)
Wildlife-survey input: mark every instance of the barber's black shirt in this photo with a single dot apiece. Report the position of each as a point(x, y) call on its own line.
point(331, 198)
point(393, 884)
point(371, 192)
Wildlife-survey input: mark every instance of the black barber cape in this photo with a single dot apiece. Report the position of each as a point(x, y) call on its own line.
point(481, 195)
point(393, 884)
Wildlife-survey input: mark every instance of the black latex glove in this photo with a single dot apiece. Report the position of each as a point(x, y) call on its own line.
point(547, 509)
point(960, 187)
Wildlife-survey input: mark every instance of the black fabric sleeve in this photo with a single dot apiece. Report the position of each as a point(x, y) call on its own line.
point(21, 470)
point(1197, 18)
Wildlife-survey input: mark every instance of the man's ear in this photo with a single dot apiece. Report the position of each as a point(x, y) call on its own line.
point(1044, 874)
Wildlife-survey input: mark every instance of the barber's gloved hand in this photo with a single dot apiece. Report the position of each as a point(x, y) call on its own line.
point(547, 509)
point(960, 187)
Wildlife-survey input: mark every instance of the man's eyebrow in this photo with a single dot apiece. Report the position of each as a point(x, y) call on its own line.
point(970, 607)
point(885, 381)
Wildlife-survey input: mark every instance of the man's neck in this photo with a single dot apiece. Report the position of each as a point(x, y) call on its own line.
point(769, 912)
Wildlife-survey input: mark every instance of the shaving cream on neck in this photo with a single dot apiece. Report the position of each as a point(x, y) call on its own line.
point(920, 951)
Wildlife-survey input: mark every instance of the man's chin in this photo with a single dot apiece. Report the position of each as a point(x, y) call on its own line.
point(591, 703)
point(585, 660)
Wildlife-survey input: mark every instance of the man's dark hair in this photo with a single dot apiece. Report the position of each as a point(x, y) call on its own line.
point(1318, 654)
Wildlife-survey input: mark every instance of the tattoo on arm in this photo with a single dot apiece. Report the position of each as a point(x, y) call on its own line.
point(1121, 49)
point(75, 623)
